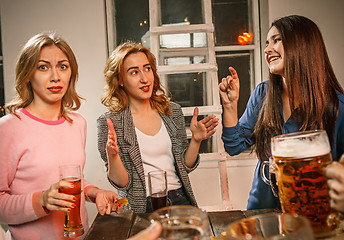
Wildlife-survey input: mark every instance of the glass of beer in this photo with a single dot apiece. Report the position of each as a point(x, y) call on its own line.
point(182, 222)
point(300, 159)
point(72, 226)
point(157, 184)
point(273, 226)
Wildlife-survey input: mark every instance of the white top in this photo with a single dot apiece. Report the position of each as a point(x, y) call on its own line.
point(156, 153)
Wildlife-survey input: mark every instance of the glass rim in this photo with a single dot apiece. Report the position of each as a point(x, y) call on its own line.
point(168, 209)
point(299, 134)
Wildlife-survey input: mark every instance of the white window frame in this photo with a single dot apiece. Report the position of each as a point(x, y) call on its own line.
point(210, 66)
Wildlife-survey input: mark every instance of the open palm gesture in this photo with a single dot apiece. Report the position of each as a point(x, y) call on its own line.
point(204, 128)
point(111, 144)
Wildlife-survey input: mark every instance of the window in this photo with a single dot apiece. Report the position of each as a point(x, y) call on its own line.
point(194, 41)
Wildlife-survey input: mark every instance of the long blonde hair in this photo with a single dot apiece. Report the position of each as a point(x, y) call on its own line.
point(27, 65)
point(116, 98)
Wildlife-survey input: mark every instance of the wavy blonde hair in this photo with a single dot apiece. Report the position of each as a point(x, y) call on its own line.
point(27, 65)
point(116, 98)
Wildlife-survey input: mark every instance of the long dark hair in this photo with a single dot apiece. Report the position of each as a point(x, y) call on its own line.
point(310, 80)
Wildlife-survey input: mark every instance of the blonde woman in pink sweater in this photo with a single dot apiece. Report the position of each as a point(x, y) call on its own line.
point(42, 132)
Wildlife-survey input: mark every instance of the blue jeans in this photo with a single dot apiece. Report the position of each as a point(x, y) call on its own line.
point(174, 197)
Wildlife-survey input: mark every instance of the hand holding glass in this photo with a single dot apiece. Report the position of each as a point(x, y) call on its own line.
point(72, 226)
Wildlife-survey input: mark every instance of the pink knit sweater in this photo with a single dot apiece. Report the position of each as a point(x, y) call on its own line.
point(31, 151)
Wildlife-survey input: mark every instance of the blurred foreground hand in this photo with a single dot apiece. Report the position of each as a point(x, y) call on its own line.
point(151, 233)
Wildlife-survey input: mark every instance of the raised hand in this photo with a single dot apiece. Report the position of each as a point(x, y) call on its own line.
point(204, 128)
point(111, 144)
point(229, 88)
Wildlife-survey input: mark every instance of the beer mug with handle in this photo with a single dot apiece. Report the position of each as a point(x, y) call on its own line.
point(300, 159)
point(272, 181)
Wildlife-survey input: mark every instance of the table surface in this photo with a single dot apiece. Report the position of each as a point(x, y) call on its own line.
point(127, 224)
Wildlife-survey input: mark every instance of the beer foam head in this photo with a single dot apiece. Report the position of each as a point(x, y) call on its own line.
point(295, 148)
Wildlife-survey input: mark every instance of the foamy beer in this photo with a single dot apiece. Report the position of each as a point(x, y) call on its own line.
point(72, 226)
point(300, 160)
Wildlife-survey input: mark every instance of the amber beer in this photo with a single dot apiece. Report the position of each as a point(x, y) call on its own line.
point(302, 184)
point(73, 225)
point(72, 218)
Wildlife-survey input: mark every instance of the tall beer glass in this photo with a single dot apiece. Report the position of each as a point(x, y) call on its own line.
point(300, 159)
point(157, 183)
point(72, 226)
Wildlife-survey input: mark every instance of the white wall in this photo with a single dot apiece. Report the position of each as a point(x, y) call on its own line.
point(329, 17)
point(82, 24)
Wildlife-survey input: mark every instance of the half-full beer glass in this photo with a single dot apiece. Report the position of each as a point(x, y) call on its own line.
point(300, 159)
point(72, 226)
point(157, 184)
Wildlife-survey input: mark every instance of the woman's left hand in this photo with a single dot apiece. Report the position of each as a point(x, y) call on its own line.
point(106, 202)
point(204, 128)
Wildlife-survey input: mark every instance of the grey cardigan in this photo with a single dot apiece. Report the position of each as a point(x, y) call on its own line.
point(135, 190)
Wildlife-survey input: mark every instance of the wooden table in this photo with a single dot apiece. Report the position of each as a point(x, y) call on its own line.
point(127, 224)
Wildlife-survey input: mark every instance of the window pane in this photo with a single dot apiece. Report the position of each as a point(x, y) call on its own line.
point(184, 40)
point(132, 22)
point(241, 63)
point(184, 60)
point(188, 89)
point(178, 11)
point(231, 20)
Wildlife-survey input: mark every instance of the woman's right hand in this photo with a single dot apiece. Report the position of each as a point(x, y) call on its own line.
point(116, 171)
point(111, 144)
point(229, 88)
point(53, 200)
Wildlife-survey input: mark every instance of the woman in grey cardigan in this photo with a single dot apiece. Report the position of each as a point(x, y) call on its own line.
point(144, 131)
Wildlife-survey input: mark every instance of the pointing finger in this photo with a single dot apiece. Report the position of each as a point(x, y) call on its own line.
point(110, 125)
point(233, 72)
